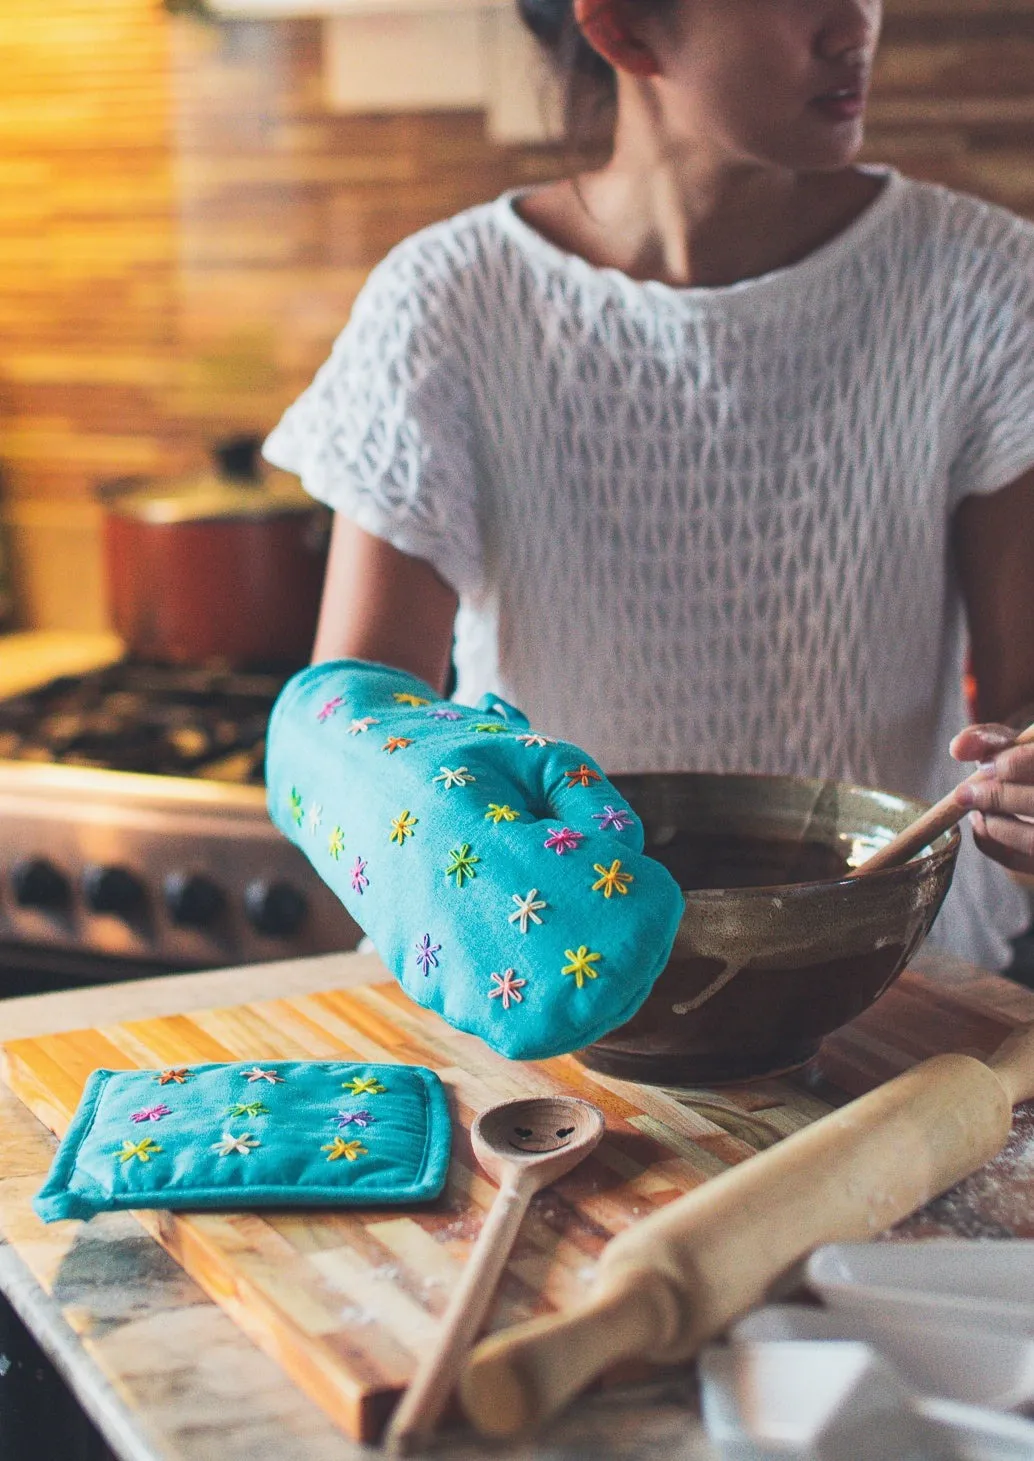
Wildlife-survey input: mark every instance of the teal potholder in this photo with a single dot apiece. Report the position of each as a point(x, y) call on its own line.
point(498, 872)
point(276, 1133)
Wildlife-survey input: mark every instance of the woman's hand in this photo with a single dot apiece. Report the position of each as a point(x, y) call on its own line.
point(1001, 795)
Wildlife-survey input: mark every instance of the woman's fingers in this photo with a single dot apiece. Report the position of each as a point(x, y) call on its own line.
point(1006, 840)
point(981, 742)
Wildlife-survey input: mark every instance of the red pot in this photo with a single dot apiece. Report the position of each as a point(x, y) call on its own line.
point(225, 568)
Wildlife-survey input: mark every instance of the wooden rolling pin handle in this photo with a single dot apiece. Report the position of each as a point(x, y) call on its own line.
point(1013, 1064)
point(510, 1388)
point(925, 829)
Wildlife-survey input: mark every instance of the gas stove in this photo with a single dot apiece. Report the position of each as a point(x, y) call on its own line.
point(134, 837)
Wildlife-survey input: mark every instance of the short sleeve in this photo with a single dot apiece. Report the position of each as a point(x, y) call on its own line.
point(384, 435)
point(996, 444)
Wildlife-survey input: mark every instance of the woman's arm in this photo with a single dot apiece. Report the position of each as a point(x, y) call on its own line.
point(994, 548)
point(382, 605)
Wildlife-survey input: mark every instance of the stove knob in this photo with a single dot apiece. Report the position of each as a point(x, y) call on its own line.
point(112, 890)
point(193, 900)
point(37, 883)
point(275, 909)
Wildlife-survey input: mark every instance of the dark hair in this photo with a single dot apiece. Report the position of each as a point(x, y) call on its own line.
point(588, 80)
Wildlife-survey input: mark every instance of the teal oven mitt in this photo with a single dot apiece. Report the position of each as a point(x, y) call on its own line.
point(277, 1133)
point(498, 872)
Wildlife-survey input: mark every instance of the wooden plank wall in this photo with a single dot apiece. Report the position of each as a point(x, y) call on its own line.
point(184, 227)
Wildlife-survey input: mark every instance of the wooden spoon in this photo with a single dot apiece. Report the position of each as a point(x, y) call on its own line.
point(524, 1146)
point(924, 829)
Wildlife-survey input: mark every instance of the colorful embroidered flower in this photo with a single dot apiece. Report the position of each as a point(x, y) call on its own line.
point(360, 882)
point(152, 1113)
point(336, 843)
point(248, 1108)
point(354, 1118)
point(364, 1085)
point(228, 1143)
point(581, 964)
point(315, 816)
point(341, 1148)
point(490, 727)
point(405, 698)
point(612, 879)
point(462, 864)
point(615, 817)
point(563, 839)
point(527, 908)
point(297, 809)
point(176, 1076)
point(460, 777)
point(497, 814)
point(396, 743)
point(327, 710)
point(532, 738)
point(402, 827)
point(442, 714)
point(427, 954)
point(507, 988)
point(144, 1149)
point(583, 776)
point(256, 1073)
point(359, 727)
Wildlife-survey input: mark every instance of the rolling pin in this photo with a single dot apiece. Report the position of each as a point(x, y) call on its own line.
point(666, 1285)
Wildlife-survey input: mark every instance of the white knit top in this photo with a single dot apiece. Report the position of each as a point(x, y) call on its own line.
point(702, 528)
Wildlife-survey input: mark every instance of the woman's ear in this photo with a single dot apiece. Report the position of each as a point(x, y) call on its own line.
point(604, 24)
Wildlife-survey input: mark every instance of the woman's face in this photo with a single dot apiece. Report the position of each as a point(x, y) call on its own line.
point(780, 82)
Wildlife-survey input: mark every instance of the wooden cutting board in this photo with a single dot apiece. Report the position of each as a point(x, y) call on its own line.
point(346, 1301)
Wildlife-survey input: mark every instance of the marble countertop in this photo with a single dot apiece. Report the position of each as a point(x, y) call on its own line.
point(163, 1373)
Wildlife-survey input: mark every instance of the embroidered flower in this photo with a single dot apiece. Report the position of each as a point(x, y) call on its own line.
point(563, 839)
point(497, 814)
point(402, 827)
point(612, 879)
point(462, 864)
point(228, 1143)
point(615, 817)
point(396, 743)
point(327, 710)
point(297, 809)
point(248, 1108)
point(364, 1085)
point(152, 1113)
point(354, 1118)
point(527, 908)
point(336, 843)
point(347, 1149)
point(360, 882)
point(583, 776)
point(315, 816)
point(532, 738)
point(507, 988)
point(256, 1073)
point(176, 1076)
point(360, 727)
point(427, 954)
point(443, 714)
point(490, 727)
point(405, 698)
point(144, 1149)
point(460, 777)
point(581, 964)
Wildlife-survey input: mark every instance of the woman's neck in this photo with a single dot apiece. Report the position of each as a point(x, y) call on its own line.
point(685, 217)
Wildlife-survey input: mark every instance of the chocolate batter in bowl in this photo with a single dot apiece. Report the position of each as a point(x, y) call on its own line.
point(778, 944)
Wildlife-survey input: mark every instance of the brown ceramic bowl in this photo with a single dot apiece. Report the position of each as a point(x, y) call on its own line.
point(777, 945)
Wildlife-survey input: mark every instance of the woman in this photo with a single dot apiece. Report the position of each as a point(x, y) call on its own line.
point(713, 457)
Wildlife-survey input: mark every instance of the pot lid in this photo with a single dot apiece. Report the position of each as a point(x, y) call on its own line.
point(238, 485)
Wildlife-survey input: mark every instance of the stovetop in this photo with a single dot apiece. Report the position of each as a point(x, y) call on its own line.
point(157, 719)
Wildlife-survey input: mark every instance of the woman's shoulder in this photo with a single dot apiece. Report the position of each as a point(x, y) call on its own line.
point(962, 232)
